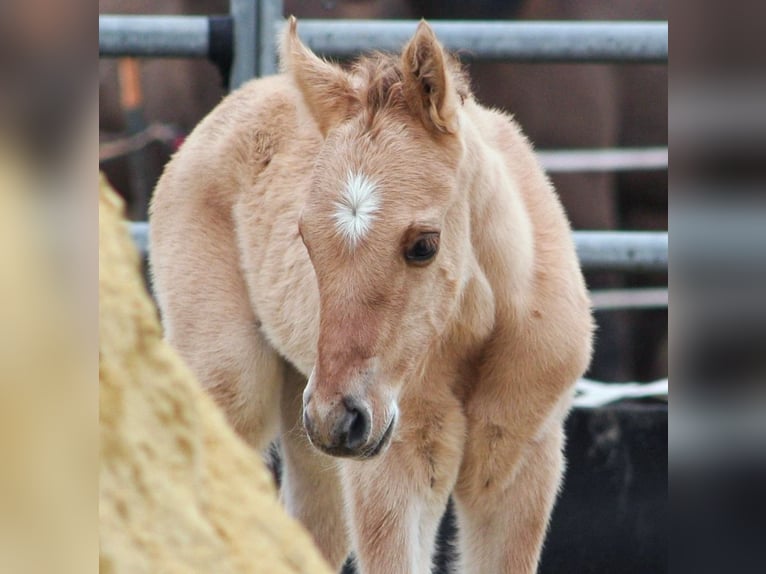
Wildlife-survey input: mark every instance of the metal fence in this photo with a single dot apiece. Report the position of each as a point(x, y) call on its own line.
point(248, 36)
point(243, 44)
point(254, 47)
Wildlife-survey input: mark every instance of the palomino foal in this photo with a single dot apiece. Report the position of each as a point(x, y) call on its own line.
point(373, 267)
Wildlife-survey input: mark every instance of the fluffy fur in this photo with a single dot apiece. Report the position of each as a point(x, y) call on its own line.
point(355, 211)
point(471, 357)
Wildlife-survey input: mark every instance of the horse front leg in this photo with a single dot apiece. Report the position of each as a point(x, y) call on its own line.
point(395, 501)
point(311, 489)
point(503, 519)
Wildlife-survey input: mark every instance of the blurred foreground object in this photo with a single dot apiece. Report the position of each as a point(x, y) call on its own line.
point(179, 492)
point(718, 342)
point(47, 422)
point(45, 79)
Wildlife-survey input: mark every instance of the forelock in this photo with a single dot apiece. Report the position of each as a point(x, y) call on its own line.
point(380, 78)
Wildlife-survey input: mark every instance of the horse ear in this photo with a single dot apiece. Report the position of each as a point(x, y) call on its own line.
point(325, 87)
point(428, 83)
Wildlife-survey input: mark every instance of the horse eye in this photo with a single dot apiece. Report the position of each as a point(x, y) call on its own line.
point(423, 249)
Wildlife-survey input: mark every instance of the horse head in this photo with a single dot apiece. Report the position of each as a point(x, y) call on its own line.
point(386, 226)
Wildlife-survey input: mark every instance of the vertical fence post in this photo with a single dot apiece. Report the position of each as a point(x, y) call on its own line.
point(244, 13)
point(269, 13)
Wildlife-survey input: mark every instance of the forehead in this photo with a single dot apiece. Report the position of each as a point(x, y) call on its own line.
point(398, 164)
point(356, 207)
point(376, 183)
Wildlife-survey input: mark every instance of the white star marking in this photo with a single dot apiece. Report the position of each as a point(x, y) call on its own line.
point(354, 212)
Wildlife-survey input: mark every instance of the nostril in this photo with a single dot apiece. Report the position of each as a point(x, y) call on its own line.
point(358, 429)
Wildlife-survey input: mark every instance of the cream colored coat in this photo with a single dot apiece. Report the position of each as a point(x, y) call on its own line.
point(470, 358)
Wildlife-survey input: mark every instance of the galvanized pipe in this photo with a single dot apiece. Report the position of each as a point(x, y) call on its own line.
point(633, 298)
point(604, 160)
point(645, 42)
point(187, 36)
point(153, 36)
point(622, 250)
point(270, 11)
point(598, 250)
point(244, 67)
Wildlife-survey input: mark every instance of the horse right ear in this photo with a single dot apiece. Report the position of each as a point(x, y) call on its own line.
point(429, 85)
point(325, 87)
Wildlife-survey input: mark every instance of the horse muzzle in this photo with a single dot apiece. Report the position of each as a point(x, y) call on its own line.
point(344, 429)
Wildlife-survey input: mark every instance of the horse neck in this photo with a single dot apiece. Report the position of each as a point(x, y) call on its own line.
point(497, 271)
point(501, 229)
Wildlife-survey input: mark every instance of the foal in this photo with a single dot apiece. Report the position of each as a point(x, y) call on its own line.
point(372, 266)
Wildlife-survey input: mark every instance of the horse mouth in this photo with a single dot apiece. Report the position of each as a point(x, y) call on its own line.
point(370, 451)
point(376, 449)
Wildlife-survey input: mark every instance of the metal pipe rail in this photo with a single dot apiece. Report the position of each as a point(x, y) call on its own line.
point(622, 250)
point(154, 36)
point(598, 250)
point(633, 298)
point(596, 42)
point(604, 160)
point(602, 42)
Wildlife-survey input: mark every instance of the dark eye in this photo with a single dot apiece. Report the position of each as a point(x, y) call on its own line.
point(423, 249)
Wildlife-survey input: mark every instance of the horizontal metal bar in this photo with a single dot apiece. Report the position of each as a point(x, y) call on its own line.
point(645, 42)
point(153, 36)
point(188, 36)
point(635, 298)
point(604, 160)
point(602, 250)
point(622, 250)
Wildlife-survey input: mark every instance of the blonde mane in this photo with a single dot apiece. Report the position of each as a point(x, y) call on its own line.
point(380, 77)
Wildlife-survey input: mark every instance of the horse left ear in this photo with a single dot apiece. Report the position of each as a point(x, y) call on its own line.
point(428, 82)
point(326, 87)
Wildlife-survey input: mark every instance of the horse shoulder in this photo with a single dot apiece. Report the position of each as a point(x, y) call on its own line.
point(541, 340)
